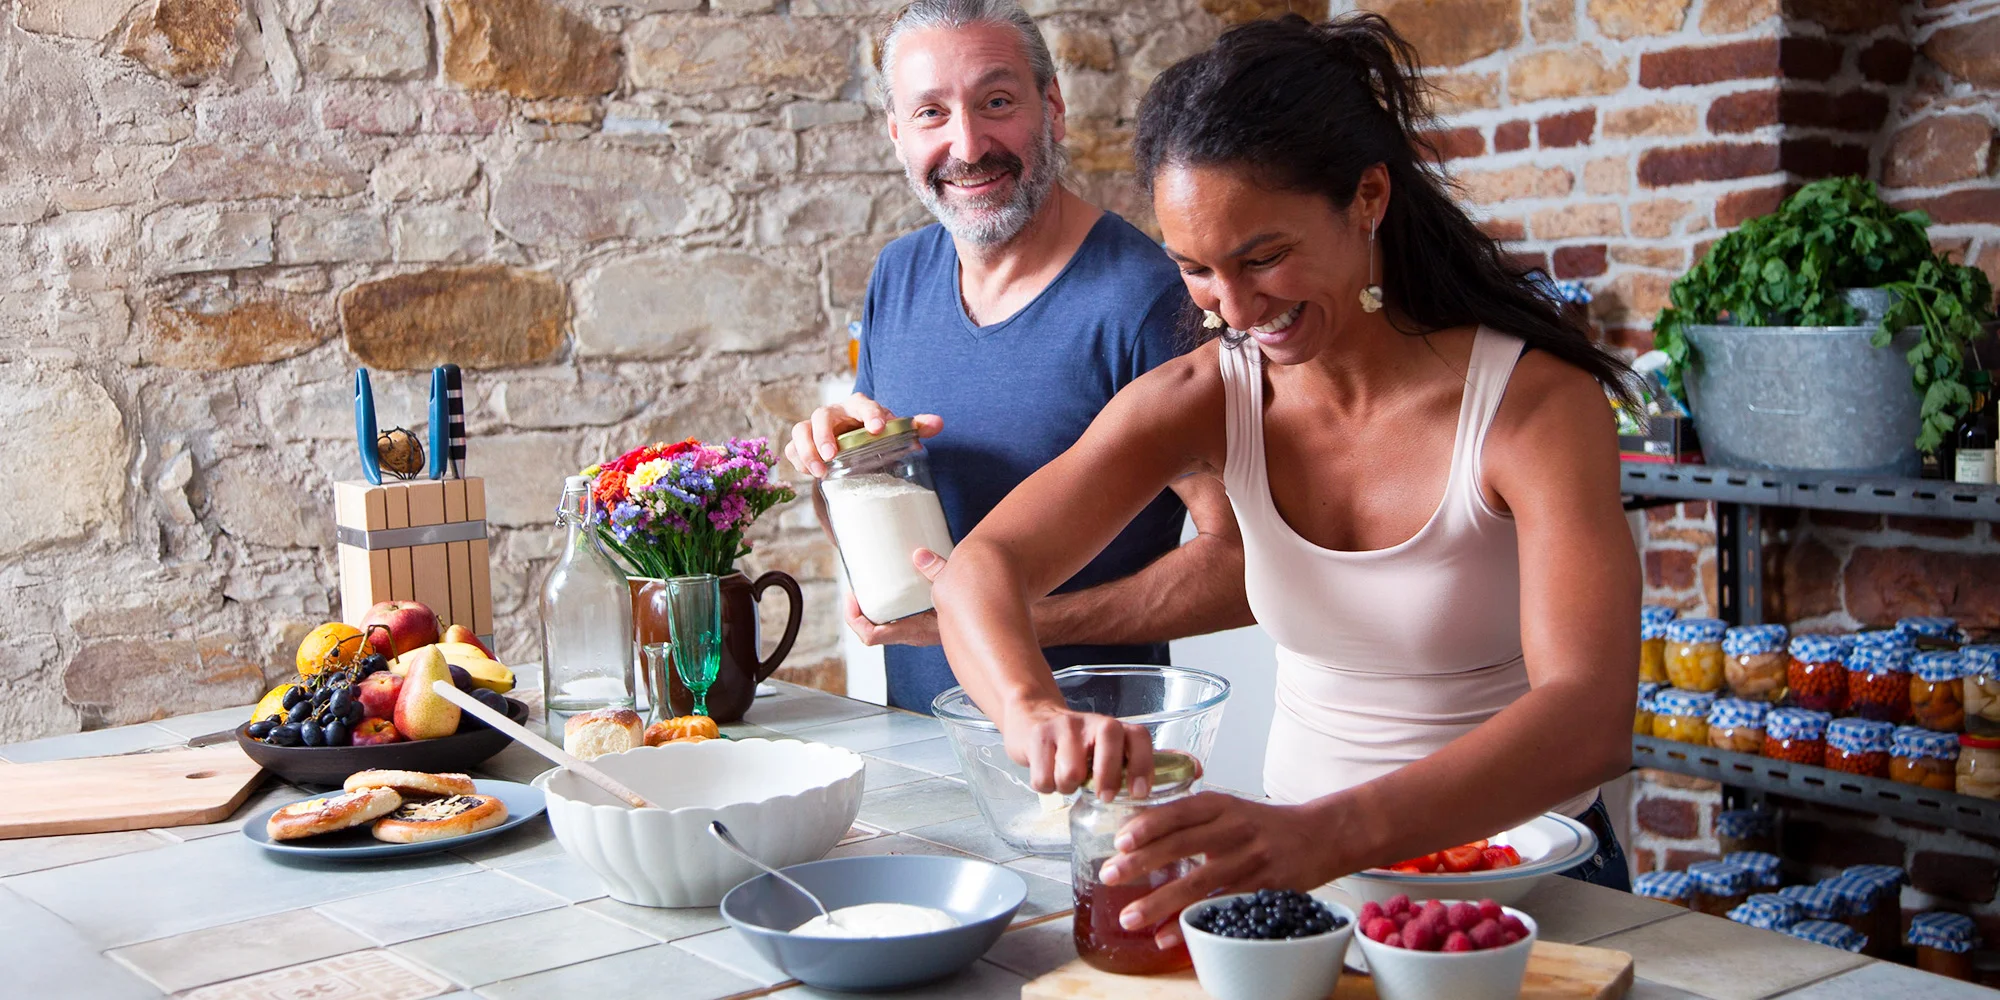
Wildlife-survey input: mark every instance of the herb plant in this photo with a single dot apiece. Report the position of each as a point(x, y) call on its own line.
point(1788, 268)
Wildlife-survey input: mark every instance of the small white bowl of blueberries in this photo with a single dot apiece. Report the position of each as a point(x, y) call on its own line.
point(1267, 945)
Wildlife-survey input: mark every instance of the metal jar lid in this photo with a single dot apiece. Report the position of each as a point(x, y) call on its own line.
point(861, 437)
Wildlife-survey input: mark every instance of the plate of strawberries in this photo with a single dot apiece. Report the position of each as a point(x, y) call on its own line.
point(1503, 867)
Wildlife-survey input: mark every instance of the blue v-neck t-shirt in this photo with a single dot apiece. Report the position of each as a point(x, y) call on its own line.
point(1019, 392)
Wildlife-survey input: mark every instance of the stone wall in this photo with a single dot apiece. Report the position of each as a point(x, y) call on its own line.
point(629, 222)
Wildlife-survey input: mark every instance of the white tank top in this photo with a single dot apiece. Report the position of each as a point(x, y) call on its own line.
point(1384, 656)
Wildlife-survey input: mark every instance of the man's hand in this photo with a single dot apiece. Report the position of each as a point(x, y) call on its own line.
point(814, 439)
point(916, 630)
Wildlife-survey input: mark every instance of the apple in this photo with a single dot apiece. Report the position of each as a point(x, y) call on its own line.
point(459, 633)
point(375, 732)
point(377, 694)
point(396, 627)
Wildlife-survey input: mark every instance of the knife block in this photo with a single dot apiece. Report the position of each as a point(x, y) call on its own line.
point(420, 540)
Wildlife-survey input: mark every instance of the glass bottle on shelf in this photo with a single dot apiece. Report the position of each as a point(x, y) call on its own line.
point(1973, 458)
point(586, 612)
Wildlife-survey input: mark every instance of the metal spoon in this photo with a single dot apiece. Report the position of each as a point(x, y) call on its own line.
point(721, 833)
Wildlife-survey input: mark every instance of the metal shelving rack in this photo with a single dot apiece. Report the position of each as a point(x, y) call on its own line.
point(1739, 496)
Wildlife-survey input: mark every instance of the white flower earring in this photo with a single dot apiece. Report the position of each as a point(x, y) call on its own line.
point(1211, 320)
point(1371, 296)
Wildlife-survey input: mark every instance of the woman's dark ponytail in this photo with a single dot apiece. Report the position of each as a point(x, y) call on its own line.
point(1309, 107)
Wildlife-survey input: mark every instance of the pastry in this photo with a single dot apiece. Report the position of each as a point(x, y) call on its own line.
point(436, 819)
point(682, 729)
point(411, 784)
point(336, 812)
point(607, 730)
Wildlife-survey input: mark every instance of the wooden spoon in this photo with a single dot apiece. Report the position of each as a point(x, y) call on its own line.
point(539, 745)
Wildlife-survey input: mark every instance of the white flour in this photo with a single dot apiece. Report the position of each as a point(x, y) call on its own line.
point(878, 920)
point(880, 520)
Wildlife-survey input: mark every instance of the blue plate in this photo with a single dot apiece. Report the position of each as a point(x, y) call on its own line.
point(523, 804)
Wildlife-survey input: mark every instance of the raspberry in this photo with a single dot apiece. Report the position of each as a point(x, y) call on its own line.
point(1404, 918)
point(1419, 937)
point(1370, 911)
point(1513, 925)
point(1509, 937)
point(1379, 928)
point(1394, 941)
point(1489, 910)
point(1463, 916)
point(1486, 935)
point(1398, 903)
point(1433, 906)
point(1458, 942)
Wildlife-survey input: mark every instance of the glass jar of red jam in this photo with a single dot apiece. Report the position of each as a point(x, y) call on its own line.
point(1859, 746)
point(1878, 683)
point(1796, 735)
point(1817, 673)
point(1937, 690)
point(1101, 940)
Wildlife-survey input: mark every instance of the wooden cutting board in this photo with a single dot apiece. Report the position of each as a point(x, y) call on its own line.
point(138, 791)
point(1555, 972)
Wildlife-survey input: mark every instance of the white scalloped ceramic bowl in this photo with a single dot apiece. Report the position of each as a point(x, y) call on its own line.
point(788, 802)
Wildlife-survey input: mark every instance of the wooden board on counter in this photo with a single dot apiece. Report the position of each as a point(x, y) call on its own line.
point(1555, 972)
point(140, 791)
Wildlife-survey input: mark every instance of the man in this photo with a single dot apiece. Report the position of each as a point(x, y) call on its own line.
point(1005, 328)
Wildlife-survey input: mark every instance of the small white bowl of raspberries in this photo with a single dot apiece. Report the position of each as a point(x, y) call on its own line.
point(1461, 949)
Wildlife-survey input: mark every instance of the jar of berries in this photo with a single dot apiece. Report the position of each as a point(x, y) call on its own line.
point(1694, 653)
point(1817, 673)
point(1754, 661)
point(1944, 943)
point(1682, 716)
point(1816, 902)
point(1859, 746)
point(1919, 756)
point(1878, 683)
point(1937, 690)
point(1737, 724)
point(1766, 870)
point(1745, 831)
point(1718, 887)
point(1982, 689)
point(1653, 621)
point(1796, 735)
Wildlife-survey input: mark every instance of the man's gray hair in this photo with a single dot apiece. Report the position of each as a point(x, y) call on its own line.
point(924, 14)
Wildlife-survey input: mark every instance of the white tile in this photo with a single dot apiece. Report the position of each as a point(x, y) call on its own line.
point(663, 923)
point(199, 958)
point(1570, 912)
point(207, 883)
point(96, 743)
point(875, 732)
point(33, 854)
point(563, 875)
point(520, 946)
point(970, 834)
point(448, 904)
point(1053, 868)
point(188, 727)
point(801, 709)
point(929, 756)
point(894, 843)
point(1879, 980)
point(525, 843)
point(1033, 951)
point(514, 762)
point(647, 974)
point(45, 957)
point(1646, 989)
point(1712, 957)
point(883, 774)
point(1045, 896)
point(359, 975)
point(728, 949)
point(919, 803)
point(982, 981)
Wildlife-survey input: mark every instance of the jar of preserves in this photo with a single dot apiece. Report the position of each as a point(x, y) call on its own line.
point(1878, 683)
point(1816, 902)
point(1667, 887)
point(1094, 823)
point(1937, 690)
point(1859, 746)
point(1796, 736)
point(1754, 661)
point(1883, 638)
point(1979, 766)
point(1642, 717)
point(1981, 689)
point(1766, 871)
point(1736, 724)
point(878, 501)
point(1944, 943)
point(1766, 911)
point(1863, 914)
point(1745, 830)
point(1694, 653)
point(1718, 887)
point(1884, 891)
point(1919, 756)
point(1817, 673)
point(1653, 621)
point(1830, 934)
point(1931, 632)
point(1682, 716)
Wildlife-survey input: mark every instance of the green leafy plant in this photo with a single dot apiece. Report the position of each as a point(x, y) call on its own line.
point(1788, 268)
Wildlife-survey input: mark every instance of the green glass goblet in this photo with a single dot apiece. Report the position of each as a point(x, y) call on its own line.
point(694, 620)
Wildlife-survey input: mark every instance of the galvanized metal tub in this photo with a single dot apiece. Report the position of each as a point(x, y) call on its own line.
point(1816, 398)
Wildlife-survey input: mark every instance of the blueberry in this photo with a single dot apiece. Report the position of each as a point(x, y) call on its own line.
point(312, 734)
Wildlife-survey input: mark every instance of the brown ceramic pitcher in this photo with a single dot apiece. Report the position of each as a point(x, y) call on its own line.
point(737, 679)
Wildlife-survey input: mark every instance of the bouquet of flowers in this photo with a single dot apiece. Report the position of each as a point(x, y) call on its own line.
point(680, 509)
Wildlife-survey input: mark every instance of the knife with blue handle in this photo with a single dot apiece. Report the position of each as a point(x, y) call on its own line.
point(447, 429)
point(364, 427)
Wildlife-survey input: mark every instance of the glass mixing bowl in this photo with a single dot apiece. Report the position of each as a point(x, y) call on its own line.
point(1179, 706)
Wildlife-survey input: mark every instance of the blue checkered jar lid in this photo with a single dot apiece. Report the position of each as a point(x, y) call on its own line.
point(1737, 713)
point(1795, 724)
point(1696, 630)
point(1879, 659)
point(1749, 640)
point(1719, 878)
point(1766, 911)
point(1918, 743)
point(1647, 689)
point(1818, 647)
point(1859, 736)
point(1828, 933)
point(1938, 665)
point(1981, 661)
point(1881, 638)
point(1764, 868)
point(1741, 823)
point(1674, 701)
point(1674, 887)
point(1952, 932)
point(1858, 892)
point(1930, 627)
point(1654, 619)
point(1884, 876)
point(1816, 902)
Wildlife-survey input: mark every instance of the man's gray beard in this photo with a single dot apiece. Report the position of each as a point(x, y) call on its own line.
point(998, 227)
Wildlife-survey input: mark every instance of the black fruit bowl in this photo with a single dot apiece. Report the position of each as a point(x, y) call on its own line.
point(461, 751)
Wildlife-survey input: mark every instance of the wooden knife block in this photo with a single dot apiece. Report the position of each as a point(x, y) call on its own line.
point(418, 540)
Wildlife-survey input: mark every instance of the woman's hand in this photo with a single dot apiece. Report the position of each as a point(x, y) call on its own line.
point(1062, 748)
point(1248, 846)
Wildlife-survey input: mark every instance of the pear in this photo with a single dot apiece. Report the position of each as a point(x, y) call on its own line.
point(421, 713)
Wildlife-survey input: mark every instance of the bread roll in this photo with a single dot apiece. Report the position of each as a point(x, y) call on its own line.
point(436, 819)
point(607, 730)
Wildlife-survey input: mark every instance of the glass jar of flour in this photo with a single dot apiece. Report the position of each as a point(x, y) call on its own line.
point(878, 500)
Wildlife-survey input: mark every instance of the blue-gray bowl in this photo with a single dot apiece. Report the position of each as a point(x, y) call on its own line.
point(982, 896)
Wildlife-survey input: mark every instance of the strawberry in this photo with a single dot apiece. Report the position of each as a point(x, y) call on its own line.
point(1494, 857)
point(1460, 859)
point(1458, 942)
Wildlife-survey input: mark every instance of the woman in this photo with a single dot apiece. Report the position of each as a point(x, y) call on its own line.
point(1418, 451)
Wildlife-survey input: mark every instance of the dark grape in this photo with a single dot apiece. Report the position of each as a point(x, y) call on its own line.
point(354, 713)
point(491, 699)
point(371, 663)
point(259, 730)
point(293, 696)
point(342, 698)
point(312, 734)
point(460, 679)
point(286, 735)
point(338, 734)
point(299, 712)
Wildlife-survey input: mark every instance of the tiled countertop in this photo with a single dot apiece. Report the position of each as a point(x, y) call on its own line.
point(202, 912)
